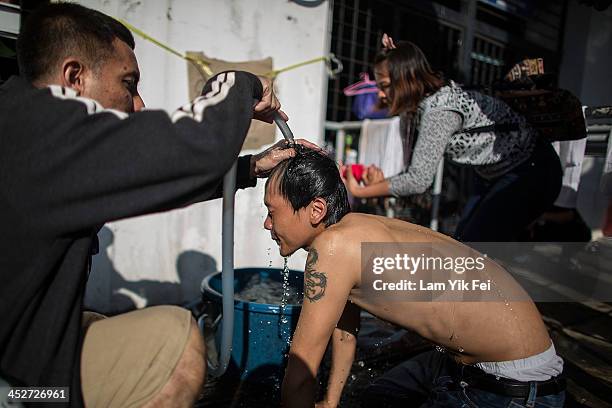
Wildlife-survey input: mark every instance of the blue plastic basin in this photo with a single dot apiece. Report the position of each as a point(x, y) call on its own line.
point(260, 337)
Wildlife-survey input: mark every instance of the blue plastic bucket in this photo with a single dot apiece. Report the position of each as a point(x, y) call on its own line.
point(261, 331)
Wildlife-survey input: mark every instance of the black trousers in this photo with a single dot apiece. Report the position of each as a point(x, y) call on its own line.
point(502, 208)
point(432, 379)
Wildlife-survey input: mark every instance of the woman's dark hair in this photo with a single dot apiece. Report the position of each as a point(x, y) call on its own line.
point(55, 31)
point(410, 75)
point(308, 175)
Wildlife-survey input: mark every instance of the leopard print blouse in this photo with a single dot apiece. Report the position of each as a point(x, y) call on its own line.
point(441, 128)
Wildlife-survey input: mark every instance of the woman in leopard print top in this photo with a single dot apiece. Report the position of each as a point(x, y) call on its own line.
point(519, 176)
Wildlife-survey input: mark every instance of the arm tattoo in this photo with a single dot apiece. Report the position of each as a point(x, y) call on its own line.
point(314, 282)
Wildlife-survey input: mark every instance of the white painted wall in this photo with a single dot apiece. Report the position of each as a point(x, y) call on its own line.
point(140, 255)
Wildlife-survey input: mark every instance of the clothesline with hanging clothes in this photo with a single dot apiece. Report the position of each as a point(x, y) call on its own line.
point(204, 66)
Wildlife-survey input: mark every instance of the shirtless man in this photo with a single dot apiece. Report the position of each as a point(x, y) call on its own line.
point(308, 208)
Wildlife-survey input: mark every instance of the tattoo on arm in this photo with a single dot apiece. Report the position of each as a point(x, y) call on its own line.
point(315, 282)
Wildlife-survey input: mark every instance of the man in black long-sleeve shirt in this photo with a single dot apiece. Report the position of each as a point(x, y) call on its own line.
point(77, 152)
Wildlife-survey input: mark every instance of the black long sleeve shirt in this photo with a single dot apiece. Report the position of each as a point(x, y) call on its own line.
point(68, 166)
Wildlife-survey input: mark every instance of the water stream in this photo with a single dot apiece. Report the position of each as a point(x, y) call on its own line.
point(284, 326)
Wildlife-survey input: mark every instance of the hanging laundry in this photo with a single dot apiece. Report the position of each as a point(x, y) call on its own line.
point(380, 144)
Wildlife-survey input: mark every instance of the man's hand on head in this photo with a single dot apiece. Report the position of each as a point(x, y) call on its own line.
point(264, 162)
point(265, 108)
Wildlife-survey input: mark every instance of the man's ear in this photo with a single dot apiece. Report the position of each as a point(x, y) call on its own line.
point(73, 75)
point(318, 210)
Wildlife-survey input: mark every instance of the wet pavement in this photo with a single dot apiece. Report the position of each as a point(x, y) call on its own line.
point(380, 347)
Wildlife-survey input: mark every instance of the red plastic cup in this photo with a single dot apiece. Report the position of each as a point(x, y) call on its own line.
point(357, 170)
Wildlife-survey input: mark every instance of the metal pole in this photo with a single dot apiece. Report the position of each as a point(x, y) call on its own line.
point(468, 40)
point(435, 199)
point(340, 137)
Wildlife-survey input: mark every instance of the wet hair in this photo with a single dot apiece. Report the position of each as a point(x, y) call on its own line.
point(411, 77)
point(308, 175)
point(56, 31)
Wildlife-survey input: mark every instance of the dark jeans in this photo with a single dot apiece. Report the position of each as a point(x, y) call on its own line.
point(433, 379)
point(502, 208)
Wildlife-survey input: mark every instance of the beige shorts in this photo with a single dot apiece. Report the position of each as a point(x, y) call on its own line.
point(127, 359)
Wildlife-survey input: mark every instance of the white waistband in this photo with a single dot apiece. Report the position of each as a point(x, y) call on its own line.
point(539, 367)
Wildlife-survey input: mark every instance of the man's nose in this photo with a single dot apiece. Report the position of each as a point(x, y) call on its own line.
point(268, 223)
point(138, 103)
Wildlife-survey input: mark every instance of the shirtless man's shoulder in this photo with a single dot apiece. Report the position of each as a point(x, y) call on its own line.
point(355, 229)
point(338, 247)
point(346, 234)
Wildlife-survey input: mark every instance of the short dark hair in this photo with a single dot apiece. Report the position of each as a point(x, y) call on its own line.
point(308, 175)
point(55, 31)
point(411, 76)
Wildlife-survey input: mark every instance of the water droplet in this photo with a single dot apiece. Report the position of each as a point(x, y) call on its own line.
point(461, 350)
point(361, 364)
point(353, 377)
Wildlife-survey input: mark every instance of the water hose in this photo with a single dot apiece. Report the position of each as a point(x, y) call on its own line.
point(284, 128)
point(227, 273)
point(227, 258)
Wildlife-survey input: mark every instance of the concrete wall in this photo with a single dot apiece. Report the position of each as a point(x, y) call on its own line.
point(585, 70)
point(162, 258)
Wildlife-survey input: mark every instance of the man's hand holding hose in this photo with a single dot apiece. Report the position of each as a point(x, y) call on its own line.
point(263, 162)
point(265, 108)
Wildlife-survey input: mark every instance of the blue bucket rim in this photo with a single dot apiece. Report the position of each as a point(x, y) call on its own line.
point(250, 306)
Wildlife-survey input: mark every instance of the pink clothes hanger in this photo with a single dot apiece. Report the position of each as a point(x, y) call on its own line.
point(364, 86)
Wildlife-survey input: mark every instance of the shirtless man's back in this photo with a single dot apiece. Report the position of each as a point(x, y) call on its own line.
point(460, 327)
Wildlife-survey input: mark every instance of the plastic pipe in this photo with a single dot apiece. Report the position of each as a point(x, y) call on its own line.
point(284, 128)
point(227, 258)
point(227, 272)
